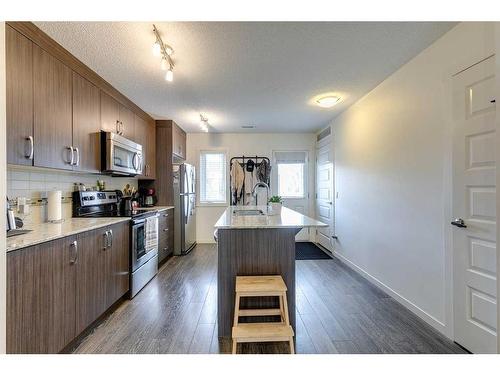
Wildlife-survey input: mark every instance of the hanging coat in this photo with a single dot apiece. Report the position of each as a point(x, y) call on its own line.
point(237, 178)
point(264, 171)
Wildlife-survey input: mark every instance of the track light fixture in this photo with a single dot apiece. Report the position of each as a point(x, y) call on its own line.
point(165, 51)
point(204, 123)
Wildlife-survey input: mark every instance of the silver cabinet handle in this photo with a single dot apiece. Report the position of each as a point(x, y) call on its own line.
point(105, 236)
point(165, 229)
point(32, 148)
point(111, 237)
point(117, 127)
point(122, 127)
point(165, 215)
point(74, 245)
point(72, 152)
point(77, 161)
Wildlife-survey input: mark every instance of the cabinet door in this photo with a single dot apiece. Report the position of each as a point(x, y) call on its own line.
point(127, 122)
point(110, 113)
point(41, 297)
point(52, 111)
point(90, 278)
point(19, 65)
point(178, 141)
point(86, 125)
point(151, 150)
point(166, 234)
point(141, 137)
point(117, 263)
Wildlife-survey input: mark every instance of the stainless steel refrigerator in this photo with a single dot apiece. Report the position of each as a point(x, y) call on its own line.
point(185, 208)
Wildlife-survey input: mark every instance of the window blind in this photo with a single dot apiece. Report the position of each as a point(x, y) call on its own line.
point(213, 177)
point(290, 157)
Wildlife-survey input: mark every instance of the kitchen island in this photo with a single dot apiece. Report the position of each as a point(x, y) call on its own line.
point(252, 242)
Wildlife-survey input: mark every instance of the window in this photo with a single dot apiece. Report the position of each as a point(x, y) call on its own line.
point(213, 177)
point(291, 170)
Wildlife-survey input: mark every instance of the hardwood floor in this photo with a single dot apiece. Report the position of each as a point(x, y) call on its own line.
point(337, 312)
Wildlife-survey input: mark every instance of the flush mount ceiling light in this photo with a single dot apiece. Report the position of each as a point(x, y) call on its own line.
point(204, 123)
point(165, 51)
point(327, 101)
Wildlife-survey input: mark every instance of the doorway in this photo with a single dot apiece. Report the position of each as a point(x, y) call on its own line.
point(325, 209)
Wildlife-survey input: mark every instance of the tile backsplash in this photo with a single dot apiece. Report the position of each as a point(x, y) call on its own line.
point(33, 183)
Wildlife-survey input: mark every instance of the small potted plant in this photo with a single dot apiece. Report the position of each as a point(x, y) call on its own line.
point(276, 203)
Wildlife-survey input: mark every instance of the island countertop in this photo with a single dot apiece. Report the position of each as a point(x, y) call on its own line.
point(287, 219)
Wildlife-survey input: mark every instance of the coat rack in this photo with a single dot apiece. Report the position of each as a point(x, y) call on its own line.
point(243, 160)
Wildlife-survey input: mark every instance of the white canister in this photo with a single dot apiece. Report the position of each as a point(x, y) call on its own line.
point(54, 210)
point(276, 208)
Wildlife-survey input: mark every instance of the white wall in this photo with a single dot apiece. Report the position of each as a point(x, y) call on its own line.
point(248, 145)
point(3, 167)
point(393, 176)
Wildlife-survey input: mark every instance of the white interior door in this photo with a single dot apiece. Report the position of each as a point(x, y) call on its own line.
point(474, 209)
point(291, 183)
point(324, 195)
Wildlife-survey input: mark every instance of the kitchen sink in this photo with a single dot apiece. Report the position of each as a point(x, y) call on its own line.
point(248, 212)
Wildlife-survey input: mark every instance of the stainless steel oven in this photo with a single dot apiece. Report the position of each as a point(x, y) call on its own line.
point(144, 254)
point(120, 156)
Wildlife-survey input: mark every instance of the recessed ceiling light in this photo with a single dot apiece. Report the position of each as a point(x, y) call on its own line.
point(327, 101)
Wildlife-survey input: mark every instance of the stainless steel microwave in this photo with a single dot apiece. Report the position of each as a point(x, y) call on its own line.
point(120, 156)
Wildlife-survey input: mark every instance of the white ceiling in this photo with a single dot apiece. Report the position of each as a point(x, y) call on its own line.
point(256, 73)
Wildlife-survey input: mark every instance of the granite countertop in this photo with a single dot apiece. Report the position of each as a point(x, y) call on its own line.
point(48, 231)
point(157, 208)
point(288, 219)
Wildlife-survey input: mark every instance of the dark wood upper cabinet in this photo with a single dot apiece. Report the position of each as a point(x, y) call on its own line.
point(145, 134)
point(19, 65)
point(127, 122)
point(178, 141)
point(41, 297)
point(110, 114)
point(151, 150)
point(116, 118)
point(86, 125)
point(141, 137)
point(52, 115)
point(47, 118)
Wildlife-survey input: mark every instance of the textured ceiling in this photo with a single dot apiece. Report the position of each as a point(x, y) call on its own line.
point(237, 73)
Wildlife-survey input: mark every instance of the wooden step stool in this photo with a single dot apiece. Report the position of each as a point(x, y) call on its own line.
point(261, 286)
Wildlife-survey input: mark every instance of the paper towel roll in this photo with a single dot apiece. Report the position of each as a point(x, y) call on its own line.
point(54, 212)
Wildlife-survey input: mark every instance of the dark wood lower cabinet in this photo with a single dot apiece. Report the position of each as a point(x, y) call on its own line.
point(117, 263)
point(57, 289)
point(41, 297)
point(90, 279)
point(166, 235)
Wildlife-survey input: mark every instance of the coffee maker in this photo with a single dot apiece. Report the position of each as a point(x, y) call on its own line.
point(147, 197)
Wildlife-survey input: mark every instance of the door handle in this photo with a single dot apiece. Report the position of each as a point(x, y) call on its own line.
point(77, 161)
point(74, 245)
point(72, 152)
point(459, 222)
point(111, 237)
point(32, 148)
point(105, 236)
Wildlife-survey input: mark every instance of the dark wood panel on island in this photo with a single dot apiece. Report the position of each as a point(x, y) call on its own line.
point(253, 252)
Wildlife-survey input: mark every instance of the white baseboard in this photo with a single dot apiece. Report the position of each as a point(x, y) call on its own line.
point(437, 324)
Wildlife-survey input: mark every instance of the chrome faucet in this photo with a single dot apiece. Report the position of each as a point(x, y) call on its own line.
point(261, 184)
